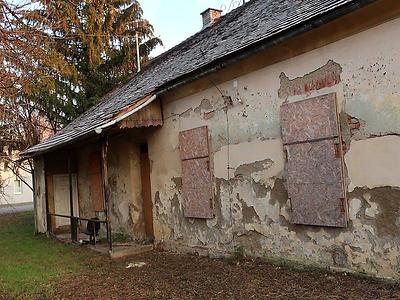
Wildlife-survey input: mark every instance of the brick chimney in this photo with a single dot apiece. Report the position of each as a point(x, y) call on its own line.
point(210, 16)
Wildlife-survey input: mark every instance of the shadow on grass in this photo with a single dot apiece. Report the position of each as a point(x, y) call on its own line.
point(29, 264)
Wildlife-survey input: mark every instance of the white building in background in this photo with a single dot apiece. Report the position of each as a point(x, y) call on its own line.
point(14, 189)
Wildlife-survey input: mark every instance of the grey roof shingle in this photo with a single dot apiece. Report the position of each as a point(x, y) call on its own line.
point(253, 22)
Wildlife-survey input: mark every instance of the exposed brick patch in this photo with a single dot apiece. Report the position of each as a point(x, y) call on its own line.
point(354, 124)
point(326, 76)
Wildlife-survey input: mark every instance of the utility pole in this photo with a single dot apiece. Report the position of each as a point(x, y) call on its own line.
point(138, 25)
point(137, 50)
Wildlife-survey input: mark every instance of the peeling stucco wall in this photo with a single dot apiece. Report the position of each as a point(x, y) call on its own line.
point(372, 162)
point(246, 152)
point(126, 202)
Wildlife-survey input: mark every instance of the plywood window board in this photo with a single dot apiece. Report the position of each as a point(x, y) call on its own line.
point(197, 188)
point(312, 142)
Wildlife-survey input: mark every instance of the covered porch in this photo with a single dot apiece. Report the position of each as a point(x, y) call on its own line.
point(102, 185)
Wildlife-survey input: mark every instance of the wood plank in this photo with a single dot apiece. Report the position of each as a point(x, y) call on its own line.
point(150, 115)
point(197, 188)
point(193, 143)
point(310, 119)
point(96, 182)
point(312, 141)
point(146, 192)
point(315, 184)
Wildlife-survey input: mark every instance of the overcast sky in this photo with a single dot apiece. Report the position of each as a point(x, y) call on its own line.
point(176, 20)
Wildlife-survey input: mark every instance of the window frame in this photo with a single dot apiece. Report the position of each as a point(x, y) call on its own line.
point(19, 191)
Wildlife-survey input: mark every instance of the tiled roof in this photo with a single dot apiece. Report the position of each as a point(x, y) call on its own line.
point(250, 24)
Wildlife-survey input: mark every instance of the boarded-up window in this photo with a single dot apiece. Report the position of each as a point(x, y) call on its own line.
point(196, 177)
point(96, 182)
point(312, 142)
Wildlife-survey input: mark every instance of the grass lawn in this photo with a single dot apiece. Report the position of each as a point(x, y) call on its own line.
point(30, 265)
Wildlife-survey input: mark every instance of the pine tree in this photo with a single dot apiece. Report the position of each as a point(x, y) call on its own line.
point(97, 40)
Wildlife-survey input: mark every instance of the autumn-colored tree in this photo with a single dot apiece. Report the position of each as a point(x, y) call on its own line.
point(27, 60)
point(59, 57)
point(26, 54)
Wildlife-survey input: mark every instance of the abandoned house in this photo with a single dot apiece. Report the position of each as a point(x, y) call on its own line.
point(273, 131)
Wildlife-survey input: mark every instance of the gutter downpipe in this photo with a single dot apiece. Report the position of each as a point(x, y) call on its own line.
point(100, 129)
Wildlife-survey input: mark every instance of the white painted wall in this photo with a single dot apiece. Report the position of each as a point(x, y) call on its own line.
point(12, 195)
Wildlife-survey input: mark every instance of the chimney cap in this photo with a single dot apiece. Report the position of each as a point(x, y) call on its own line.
point(213, 9)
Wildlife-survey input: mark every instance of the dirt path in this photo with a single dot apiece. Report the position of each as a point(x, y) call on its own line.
point(170, 276)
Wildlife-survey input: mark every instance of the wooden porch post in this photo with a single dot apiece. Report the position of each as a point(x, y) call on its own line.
point(104, 154)
point(35, 200)
point(46, 196)
point(74, 221)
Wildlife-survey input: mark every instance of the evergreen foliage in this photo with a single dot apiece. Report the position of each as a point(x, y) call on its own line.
point(96, 38)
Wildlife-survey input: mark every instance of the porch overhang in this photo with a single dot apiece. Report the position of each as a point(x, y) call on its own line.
point(142, 113)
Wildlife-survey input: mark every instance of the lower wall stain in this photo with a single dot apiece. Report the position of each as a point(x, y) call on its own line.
point(380, 208)
point(339, 256)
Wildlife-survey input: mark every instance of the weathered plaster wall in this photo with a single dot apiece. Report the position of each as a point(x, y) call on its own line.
point(126, 203)
point(124, 182)
point(251, 203)
point(372, 162)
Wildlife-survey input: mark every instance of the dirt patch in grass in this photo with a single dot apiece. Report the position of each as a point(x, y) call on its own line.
point(171, 276)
